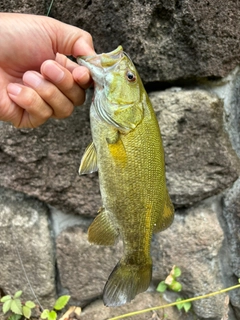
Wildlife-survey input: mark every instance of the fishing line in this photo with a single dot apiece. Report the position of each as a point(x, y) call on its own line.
point(50, 7)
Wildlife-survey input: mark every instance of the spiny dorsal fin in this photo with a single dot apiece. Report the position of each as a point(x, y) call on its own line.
point(89, 160)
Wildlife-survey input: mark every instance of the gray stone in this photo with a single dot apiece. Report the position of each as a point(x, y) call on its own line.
point(200, 160)
point(24, 227)
point(194, 243)
point(189, 243)
point(233, 113)
point(97, 311)
point(84, 268)
point(44, 162)
point(228, 90)
point(167, 39)
point(231, 214)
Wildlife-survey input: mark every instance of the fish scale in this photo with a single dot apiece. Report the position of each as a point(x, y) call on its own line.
point(127, 151)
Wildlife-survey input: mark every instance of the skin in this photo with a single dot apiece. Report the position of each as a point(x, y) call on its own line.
point(37, 81)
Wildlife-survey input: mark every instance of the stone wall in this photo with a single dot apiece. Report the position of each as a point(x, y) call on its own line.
point(187, 53)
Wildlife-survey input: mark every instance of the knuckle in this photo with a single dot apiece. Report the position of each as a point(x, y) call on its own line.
point(65, 112)
point(46, 113)
point(49, 93)
point(36, 106)
point(88, 36)
point(78, 99)
point(29, 98)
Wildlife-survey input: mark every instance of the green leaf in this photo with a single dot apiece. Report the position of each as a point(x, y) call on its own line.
point(61, 302)
point(15, 317)
point(16, 306)
point(52, 315)
point(177, 272)
point(175, 286)
point(180, 305)
point(44, 314)
point(27, 312)
point(17, 294)
point(187, 306)
point(6, 306)
point(30, 304)
point(6, 298)
point(161, 287)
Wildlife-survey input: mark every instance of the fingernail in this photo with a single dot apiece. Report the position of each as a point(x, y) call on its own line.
point(32, 79)
point(14, 89)
point(53, 72)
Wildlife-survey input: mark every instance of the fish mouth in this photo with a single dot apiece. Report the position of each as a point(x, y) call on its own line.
point(103, 61)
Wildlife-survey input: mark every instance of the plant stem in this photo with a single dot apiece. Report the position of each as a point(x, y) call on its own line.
point(24, 271)
point(176, 303)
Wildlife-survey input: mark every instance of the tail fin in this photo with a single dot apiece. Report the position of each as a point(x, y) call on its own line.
point(125, 282)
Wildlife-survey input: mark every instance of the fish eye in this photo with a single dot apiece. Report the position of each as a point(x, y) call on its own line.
point(130, 76)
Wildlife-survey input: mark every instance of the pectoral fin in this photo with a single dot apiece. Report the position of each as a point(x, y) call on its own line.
point(89, 160)
point(102, 231)
point(166, 218)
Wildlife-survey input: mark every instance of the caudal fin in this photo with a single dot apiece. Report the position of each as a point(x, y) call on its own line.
point(125, 282)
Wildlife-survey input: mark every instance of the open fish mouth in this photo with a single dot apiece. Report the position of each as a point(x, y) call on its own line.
point(101, 64)
point(104, 60)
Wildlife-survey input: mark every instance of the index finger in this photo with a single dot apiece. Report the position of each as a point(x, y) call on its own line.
point(83, 46)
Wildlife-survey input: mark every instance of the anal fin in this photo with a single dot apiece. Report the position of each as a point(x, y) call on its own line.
point(102, 231)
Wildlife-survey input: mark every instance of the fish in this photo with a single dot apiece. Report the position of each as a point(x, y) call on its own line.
point(127, 152)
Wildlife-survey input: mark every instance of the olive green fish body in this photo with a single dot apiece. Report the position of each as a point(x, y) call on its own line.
point(127, 151)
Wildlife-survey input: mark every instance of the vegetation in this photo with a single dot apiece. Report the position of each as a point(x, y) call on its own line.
point(171, 283)
point(177, 303)
point(17, 309)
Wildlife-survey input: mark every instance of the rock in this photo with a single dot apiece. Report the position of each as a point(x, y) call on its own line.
point(232, 118)
point(25, 6)
point(167, 39)
point(24, 229)
point(189, 243)
point(97, 311)
point(44, 162)
point(231, 214)
point(228, 90)
point(194, 243)
point(170, 42)
point(200, 161)
point(84, 268)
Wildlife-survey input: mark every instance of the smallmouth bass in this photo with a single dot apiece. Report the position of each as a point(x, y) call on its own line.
point(127, 151)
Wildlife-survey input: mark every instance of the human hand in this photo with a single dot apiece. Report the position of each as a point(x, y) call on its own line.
point(37, 80)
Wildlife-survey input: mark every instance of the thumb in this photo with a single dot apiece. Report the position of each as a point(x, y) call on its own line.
point(70, 40)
